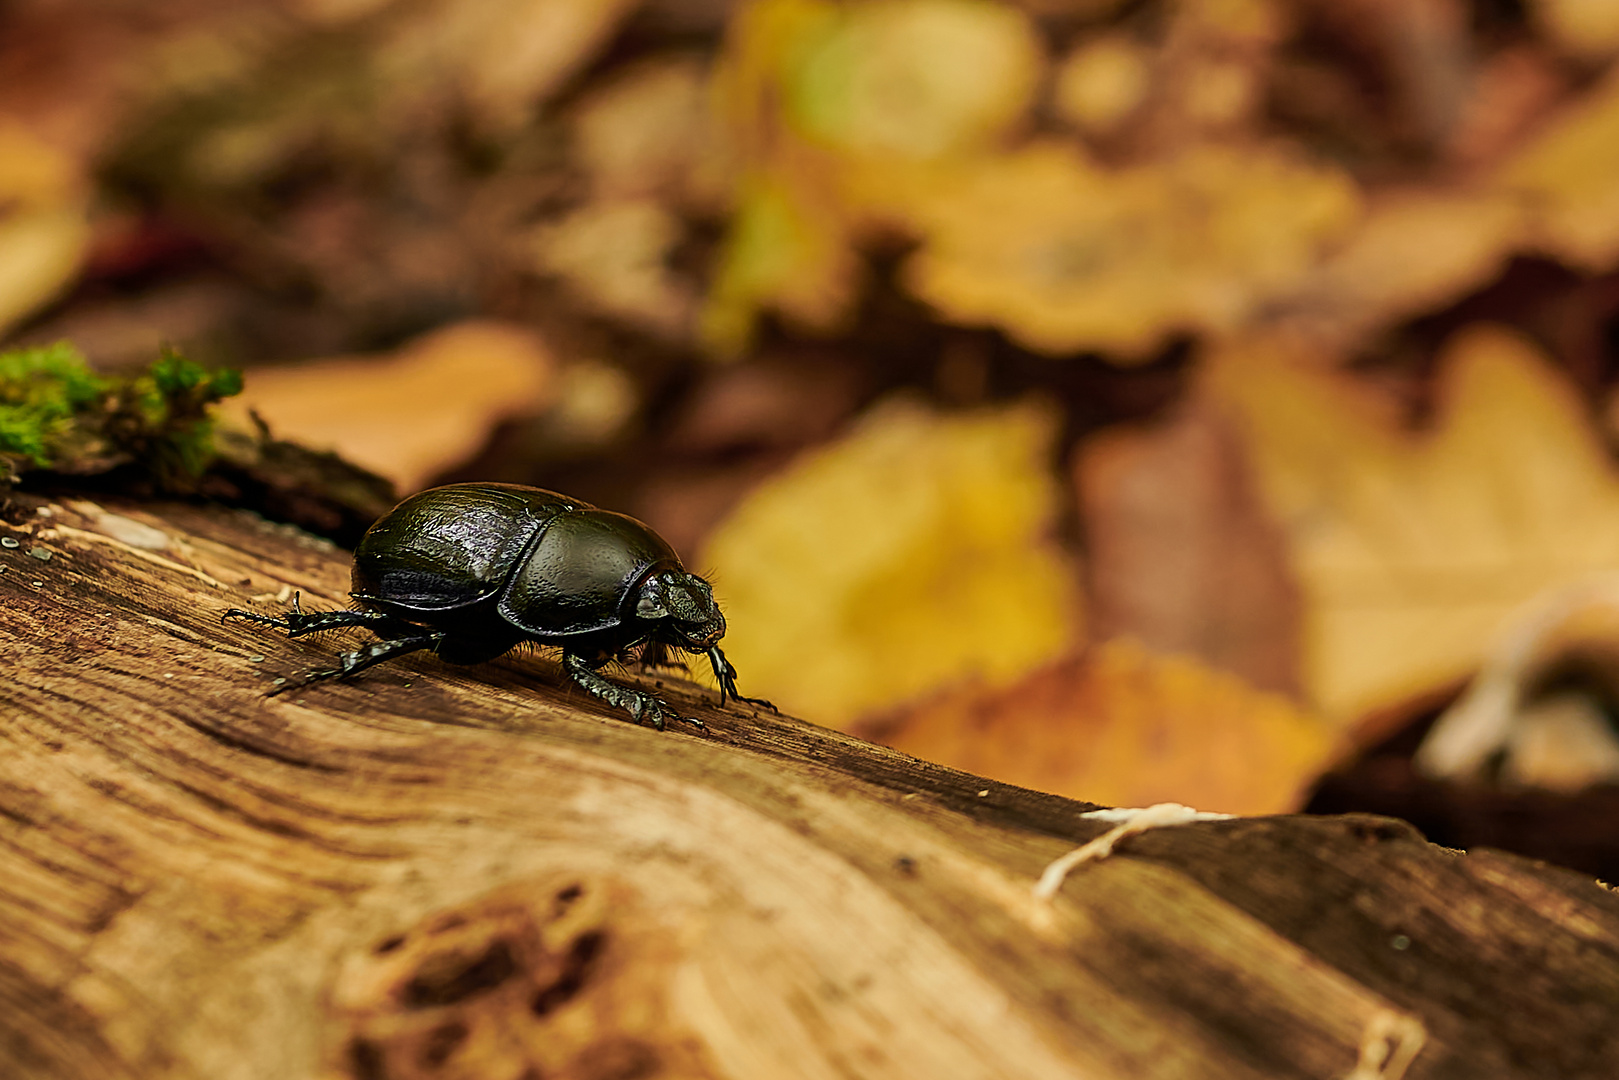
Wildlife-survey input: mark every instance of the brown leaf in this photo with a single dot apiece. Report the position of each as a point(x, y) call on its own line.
point(1181, 553)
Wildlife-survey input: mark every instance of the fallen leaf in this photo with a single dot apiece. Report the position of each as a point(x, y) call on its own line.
point(411, 414)
point(651, 132)
point(1067, 256)
point(1568, 177)
point(912, 554)
point(615, 256)
point(820, 98)
point(1512, 89)
point(1181, 553)
point(1412, 548)
point(1587, 28)
point(885, 77)
point(44, 222)
point(1122, 726)
point(789, 249)
point(1414, 251)
point(507, 55)
point(1102, 81)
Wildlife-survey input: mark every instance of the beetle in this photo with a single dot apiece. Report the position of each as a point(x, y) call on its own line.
point(470, 571)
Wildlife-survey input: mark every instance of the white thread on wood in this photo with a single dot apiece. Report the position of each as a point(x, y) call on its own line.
point(1131, 821)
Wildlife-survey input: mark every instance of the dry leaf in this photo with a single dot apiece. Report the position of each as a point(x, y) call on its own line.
point(1411, 549)
point(886, 77)
point(818, 97)
point(1588, 28)
point(1568, 177)
point(1415, 250)
point(1180, 552)
point(910, 555)
point(1124, 727)
point(615, 256)
point(411, 414)
point(651, 132)
point(789, 249)
point(506, 55)
point(1103, 81)
point(1066, 256)
point(44, 222)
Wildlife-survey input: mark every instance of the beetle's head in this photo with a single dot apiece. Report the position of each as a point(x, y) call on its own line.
point(683, 607)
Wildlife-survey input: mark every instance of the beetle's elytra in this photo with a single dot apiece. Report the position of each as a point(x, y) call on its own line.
point(471, 570)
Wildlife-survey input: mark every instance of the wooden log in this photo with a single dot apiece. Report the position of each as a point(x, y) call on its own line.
point(430, 872)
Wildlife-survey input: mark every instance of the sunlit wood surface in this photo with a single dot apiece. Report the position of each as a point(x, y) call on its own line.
point(479, 873)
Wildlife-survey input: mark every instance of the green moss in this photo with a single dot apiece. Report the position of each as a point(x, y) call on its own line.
point(41, 391)
point(55, 413)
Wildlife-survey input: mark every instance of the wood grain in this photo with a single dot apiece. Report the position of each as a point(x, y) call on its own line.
point(479, 873)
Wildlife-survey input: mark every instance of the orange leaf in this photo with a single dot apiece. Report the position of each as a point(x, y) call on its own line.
point(408, 415)
point(1125, 727)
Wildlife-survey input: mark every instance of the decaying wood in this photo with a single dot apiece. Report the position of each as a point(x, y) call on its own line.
point(477, 873)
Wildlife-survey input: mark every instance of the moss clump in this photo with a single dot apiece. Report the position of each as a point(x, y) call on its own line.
point(41, 391)
point(57, 414)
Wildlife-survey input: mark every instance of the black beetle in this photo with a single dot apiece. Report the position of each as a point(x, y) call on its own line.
point(472, 570)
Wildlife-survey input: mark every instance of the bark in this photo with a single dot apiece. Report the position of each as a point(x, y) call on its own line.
point(479, 873)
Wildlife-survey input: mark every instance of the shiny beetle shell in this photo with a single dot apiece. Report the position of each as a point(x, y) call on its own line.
point(470, 570)
point(559, 567)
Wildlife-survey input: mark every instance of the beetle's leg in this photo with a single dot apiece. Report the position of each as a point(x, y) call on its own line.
point(726, 674)
point(360, 659)
point(638, 703)
point(298, 622)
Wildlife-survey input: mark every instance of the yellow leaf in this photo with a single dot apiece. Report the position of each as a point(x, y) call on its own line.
point(1411, 549)
point(887, 77)
point(811, 91)
point(1569, 177)
point(1103, 81)
point(787, 250)
point(44, 222)
point(1066, 256)
point(1414, 251)
point(1125, 727)
point(1588, 28)
point(913, 554)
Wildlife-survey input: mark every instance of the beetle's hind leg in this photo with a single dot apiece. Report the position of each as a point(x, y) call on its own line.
point(297, 622)
point(638, 703)
point(360, 659)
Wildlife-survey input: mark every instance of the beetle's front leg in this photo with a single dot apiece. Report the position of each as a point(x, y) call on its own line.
point(297, 622)
point(726, 674)
point(638, 703)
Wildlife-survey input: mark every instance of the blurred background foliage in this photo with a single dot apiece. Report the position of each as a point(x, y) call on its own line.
point(1203, 400)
